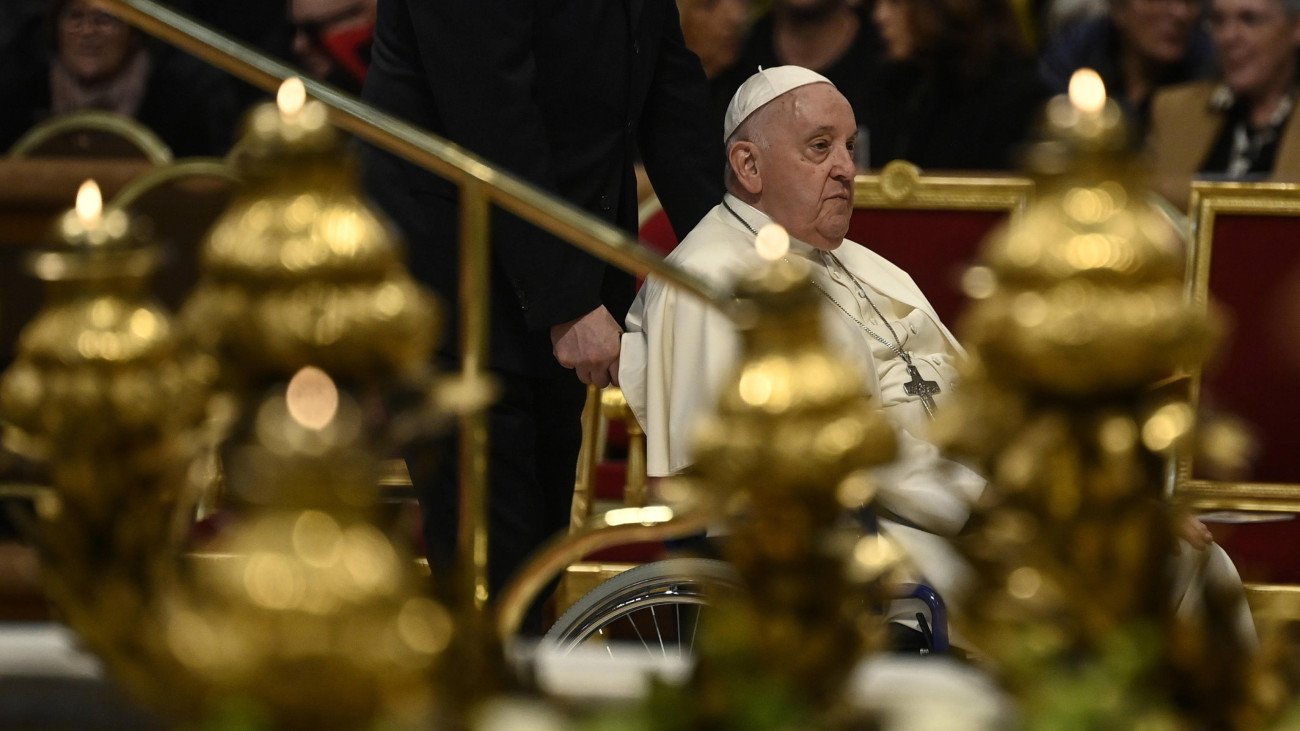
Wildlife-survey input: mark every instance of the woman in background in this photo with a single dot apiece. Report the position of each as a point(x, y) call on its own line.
point(95, 61)
point(958, 89)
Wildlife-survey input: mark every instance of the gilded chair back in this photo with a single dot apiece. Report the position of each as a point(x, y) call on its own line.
point(603, 482)
point(1245, 256)
point(181, 201)
point(92, 134)
point(932, 225)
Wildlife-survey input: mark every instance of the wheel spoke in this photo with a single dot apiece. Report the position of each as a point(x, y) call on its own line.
point(677, 611)
point(636, 629)
point(641, 592)
point(654, 618)
point(695, 627)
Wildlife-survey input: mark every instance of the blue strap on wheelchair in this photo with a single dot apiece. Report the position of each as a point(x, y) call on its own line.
point(938, 614)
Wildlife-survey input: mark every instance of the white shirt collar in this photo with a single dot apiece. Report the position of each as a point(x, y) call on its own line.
point(758, 219)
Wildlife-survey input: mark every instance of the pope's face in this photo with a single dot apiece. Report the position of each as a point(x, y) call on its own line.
point(806, 165)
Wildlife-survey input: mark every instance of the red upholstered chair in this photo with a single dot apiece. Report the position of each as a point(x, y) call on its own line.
point(653, 227)
point(1245, 256)
point(932, 225)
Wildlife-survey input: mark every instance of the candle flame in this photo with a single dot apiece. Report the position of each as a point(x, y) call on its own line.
point(291, 97)
point(772, 242)
point(90, 203)
point(1087, 92)
point(312, 398)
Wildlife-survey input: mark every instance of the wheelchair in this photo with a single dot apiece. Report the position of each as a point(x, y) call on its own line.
point(658, 607)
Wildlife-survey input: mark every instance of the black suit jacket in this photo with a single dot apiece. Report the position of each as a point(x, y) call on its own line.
point(564, 93)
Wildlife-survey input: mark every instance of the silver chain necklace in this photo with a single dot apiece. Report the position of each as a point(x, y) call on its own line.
point(917, 386)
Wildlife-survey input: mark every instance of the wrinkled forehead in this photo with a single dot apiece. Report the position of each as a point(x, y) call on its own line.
point(809, 107)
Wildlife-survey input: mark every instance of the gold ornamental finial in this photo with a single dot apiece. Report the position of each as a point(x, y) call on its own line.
point(100, 322)
point(794, 432)
point(299, 271)
point(303, 608)
point(1084, 293)
point(1078, 312)
point(103, 397)
point(294, 127)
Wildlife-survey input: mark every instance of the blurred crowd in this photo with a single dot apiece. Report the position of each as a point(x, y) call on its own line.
point(947, 84)
point(60, 56)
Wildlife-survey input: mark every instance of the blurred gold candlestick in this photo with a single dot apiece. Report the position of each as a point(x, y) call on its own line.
point(792, 436)
point(102, 396)
point(1078, 313)
point(300, 272)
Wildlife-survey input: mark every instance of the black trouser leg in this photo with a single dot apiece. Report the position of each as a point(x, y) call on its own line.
point(534, 437)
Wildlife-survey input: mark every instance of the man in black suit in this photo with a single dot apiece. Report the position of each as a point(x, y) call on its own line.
point(564, 93)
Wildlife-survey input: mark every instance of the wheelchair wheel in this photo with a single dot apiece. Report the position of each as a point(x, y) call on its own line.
point(656, 606)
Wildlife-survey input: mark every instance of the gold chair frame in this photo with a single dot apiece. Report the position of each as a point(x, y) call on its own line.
point(901, 184)
point(603, 406)
point(189, 167)
point(150, 145)
point(1208, 200)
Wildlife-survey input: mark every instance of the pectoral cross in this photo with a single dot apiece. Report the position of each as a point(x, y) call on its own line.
point(920, 387)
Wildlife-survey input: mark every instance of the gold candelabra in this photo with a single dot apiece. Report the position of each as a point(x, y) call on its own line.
point(788, 447)
point(304, 614)
point(104, 398)
point(1078, 315)
point(299, 271)
point(304, 609)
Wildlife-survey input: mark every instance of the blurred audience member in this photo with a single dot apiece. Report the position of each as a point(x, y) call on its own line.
point(1241, 127)
point(1139, 46)
point(1055, 17)
point(831, 37)
point(714, 30)
point(332, 40)
point(958, 89)
point(95, 61)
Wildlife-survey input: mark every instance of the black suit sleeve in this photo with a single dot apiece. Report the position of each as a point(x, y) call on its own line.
point(478, 59)
point(681, 148)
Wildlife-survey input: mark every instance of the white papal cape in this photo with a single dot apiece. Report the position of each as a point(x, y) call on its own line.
point(678, 351)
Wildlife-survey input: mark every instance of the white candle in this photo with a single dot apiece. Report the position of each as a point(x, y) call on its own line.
point(89, 205)
point(290, 98)
point(1087, 91)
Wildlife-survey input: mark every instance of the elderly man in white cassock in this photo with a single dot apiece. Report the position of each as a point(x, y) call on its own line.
point(790, 137)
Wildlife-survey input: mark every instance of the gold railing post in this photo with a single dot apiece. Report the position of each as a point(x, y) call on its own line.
point(472, 526)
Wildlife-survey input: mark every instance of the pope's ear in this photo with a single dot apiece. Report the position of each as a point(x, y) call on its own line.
point(743, 157)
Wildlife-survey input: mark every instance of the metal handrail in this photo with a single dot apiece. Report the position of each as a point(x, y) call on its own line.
point(481, 184)
point(425, 149)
